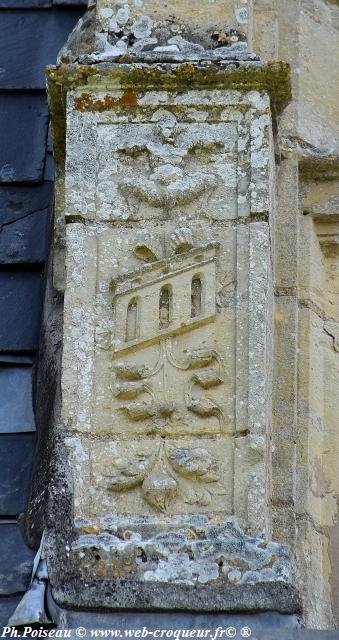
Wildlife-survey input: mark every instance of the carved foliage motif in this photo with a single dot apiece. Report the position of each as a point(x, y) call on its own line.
point(132, 381)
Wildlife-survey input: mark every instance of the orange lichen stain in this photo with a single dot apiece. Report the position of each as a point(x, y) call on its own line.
point(88, 529)
point(102, 571)
point(187, 70)
point(85, 102)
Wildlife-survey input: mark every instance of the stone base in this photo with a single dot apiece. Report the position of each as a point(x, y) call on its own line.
point(200, 567)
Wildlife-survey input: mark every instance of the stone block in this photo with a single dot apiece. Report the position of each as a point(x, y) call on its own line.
point(16, 454)
point(16, 560)
point(24, 58)
point(20, 310)
point(16, 411)
point(221, 170)
point(201, 23)
point(24, 125)
point(317, 80)
point(320, 199)
point(128, 395)
point(318, 271)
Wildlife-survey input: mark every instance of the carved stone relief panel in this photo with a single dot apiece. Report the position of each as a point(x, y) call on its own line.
point(158, 346)
point(200, 155)
point(167, 307)
point(167, 168)
point(164, 475)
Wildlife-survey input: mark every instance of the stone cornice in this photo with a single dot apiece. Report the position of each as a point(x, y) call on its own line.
point(273, 77)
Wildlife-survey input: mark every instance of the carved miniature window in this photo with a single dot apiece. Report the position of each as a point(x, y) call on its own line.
point(165, 306)
point(196, 297)
point(132, 319)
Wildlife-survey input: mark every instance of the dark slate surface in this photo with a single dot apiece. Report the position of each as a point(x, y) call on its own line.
point(32, 32)
point(25, 4)
point(257, 626)
point(68, 3)
point(16, 455)
point(40, 4)
point(16, 560)
point(16, 412)
point(22, 200)
point(49, 167)
point(25, 240)
point(7, 607)
point(23, 133)
point(20, 310)
point(23, 65)
point(8, 358)
point(171, 620)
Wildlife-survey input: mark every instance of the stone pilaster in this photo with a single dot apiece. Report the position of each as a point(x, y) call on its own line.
point(167, 345)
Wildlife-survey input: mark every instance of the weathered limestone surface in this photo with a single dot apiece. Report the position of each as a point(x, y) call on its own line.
point(168, 205)
point(195, 30)
point(200, 349)
point(305, 399)
point(168, 346)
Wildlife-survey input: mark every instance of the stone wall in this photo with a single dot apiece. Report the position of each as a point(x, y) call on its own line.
point(306, 370)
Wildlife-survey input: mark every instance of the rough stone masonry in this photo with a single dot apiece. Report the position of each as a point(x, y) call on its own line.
point(173, 205)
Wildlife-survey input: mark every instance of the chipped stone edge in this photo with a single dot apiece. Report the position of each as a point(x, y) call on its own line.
point(219, 568)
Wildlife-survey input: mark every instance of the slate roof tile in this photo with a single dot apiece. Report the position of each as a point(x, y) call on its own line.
point(7, 607)
point(16, 410)
point(25, 241)
point(16, 560)
point(42, 34)
point(25, 4)
point(23, 134)
point(21, 200)
point(32, 32)
point(16, 455)
point(69, 3)
point(20, 310)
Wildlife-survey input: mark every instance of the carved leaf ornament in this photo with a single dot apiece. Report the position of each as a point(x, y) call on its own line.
point(169, 472)
point(132, 381)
